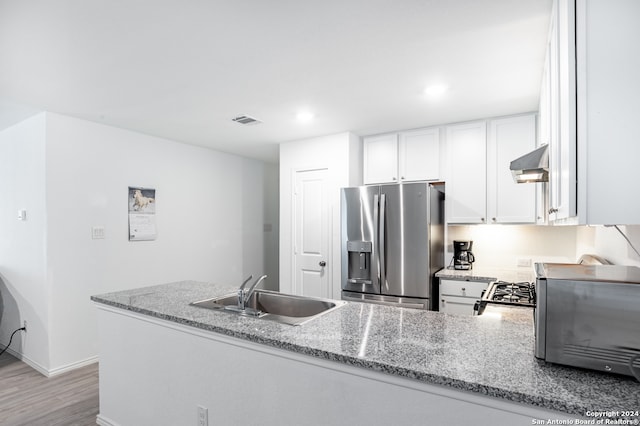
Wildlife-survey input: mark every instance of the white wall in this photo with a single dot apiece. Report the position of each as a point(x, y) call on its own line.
point(23, 290)
point(271, 226)
point(341, 154)
point(500, 246)
point(607, 242)
point(209, 210)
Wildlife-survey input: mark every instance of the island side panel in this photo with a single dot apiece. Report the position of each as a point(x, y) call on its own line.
point(155, 372)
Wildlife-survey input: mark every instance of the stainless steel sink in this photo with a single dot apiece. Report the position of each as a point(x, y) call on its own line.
point(274, 306)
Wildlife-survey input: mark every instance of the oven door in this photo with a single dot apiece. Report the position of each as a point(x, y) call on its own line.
point(481, 304)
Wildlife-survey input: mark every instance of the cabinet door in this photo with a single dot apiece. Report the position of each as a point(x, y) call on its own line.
point(466, 180)
point(457, 305)
point(380, 159)
point(562, 145)
point(419, 155)
point(507, 201)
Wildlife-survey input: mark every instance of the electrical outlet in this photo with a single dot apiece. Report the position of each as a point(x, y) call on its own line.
point(524, 262)
point(203, 416)
point(25, 326)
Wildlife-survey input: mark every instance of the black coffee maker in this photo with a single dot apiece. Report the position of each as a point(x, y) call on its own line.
point(462, 256)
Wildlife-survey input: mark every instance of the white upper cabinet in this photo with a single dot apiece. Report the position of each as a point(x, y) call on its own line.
point(508, 139)
point(419, 155)
point(407, 156)
point(466, 184)
point(380, 159)
point(595, 99)
point(480, 187)
point(561, 114)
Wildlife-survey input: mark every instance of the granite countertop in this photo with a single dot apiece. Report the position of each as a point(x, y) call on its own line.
point(488, 274)
point(491, 354)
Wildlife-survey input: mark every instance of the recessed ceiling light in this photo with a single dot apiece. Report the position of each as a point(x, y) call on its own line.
point(435, 90)
point(304, 116)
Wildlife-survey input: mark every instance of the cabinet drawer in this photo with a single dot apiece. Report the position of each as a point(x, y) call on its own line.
point(457, 305)
point(462, 288)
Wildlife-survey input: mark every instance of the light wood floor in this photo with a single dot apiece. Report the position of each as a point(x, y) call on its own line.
point(29, 398)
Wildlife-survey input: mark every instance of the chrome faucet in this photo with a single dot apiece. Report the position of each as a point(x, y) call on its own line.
point(245, 295)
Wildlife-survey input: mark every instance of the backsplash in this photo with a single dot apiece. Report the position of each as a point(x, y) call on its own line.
point(607, 242)
point(503, 246)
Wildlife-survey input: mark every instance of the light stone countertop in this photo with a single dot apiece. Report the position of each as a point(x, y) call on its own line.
point(488, 274)
point(488, 354)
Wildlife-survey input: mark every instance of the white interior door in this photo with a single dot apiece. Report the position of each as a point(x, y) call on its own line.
point(311, 234)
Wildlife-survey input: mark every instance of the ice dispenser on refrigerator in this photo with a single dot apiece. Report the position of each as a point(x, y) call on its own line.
point(359, 261)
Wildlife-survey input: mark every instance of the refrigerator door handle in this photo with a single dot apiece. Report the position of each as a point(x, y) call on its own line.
point(382, 248)
point(376, 276)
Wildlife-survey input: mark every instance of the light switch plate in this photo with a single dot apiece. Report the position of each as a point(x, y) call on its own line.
point(97, 232)
point(22, 214)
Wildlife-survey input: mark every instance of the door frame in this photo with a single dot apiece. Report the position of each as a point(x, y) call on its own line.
point(329, 268)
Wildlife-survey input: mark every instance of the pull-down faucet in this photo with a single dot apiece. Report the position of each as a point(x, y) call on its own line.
point(245, 295)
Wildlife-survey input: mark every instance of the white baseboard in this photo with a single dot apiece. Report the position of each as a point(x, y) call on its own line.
point(73, 366)
point(103, 421)
point(54, 371)
point(33, 364)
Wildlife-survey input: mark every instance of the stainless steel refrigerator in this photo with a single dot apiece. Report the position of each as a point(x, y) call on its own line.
point(392, 243)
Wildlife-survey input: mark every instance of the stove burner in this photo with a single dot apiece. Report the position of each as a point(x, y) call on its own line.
point(506, 293)
point(521, 293)
point(510, 298)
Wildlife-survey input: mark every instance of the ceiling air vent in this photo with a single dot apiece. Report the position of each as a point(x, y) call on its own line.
point(246, 120)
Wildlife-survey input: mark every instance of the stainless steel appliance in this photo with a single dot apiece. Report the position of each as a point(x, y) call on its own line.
point(392, 243)
point(462, 256)
point(506, 293)
point(589, 316)
point(531, 167)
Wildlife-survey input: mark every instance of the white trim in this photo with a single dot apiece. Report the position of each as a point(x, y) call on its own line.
point(105, 421)
point(54, 371)
point(581, 110)
point(31, 363)
point(74, 365)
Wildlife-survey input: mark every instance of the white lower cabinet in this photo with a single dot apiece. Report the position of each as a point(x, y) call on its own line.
point(144, 381)
point(459, 296)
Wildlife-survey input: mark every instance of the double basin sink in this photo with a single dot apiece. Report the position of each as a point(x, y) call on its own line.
point(274, 306)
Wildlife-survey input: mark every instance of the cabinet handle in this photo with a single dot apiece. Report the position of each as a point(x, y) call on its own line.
point(553, 210)
point(464, 289)
point(402, 177)
point(493, 219)
point(482, 219)
point(394, 178)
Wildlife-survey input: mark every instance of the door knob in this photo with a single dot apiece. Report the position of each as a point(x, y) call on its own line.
point(322, 263)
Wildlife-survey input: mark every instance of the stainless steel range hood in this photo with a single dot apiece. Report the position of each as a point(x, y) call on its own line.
point(532, 167)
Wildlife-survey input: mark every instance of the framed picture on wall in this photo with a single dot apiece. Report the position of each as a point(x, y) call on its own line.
point(142, 214)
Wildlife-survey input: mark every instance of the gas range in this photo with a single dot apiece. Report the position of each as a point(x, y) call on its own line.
point(507, 293)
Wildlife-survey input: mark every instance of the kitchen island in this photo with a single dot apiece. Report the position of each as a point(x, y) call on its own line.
point(161, 359)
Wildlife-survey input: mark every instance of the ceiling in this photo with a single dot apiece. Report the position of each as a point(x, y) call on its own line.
point(183, 69)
